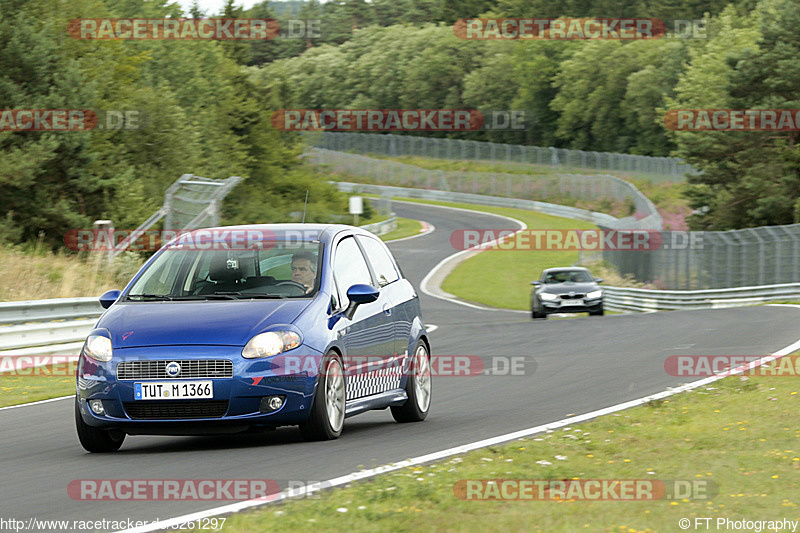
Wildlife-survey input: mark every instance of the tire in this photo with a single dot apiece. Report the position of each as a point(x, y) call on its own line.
point(97, 440)
point(599, 312)
point(536, 315)
point(418, 388)
point(328, 408)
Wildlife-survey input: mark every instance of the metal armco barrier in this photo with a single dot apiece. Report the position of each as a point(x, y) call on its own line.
point(46, 310)
point(45, 327)
point(646, 300)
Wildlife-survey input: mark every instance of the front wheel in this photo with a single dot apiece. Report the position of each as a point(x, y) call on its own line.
point(97, 440)
point(418, 388)
point(598, 312)
point(327, 411)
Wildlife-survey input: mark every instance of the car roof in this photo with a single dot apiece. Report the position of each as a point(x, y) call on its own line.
point(565, 269)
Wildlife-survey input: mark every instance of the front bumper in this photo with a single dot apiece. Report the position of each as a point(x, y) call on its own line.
point(557, 306)
point(236, 402)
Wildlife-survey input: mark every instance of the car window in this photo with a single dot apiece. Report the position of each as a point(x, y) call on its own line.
point(189, 273)
point(575, 276)
point(165, 273)
point(381, 261)
point(349, 268)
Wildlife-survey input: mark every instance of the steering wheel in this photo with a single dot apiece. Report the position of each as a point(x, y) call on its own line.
point(293, 284)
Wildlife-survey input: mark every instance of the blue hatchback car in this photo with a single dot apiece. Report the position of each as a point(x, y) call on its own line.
point(249, 328)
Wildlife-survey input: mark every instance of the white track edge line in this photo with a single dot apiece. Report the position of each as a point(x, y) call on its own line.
point(37, 403)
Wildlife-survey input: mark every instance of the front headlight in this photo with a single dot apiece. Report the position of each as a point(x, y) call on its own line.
point(98, 347)
point(547, 296)
point(271, 343)
point(594, 294)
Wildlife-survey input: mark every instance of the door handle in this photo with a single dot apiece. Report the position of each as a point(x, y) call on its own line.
point(387, 309)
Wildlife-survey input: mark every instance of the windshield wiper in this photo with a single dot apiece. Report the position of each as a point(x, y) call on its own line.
point(250, 295)
point(149, 297)
point(228, 296)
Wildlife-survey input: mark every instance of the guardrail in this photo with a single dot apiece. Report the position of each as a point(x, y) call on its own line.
point(383, 227)
point(646, 300)
point(46, 310)
point(479, 199)
point(46, 327)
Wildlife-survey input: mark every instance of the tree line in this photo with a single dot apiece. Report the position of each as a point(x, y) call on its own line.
point(207, 104)
point(198, 112)
point(600, 95)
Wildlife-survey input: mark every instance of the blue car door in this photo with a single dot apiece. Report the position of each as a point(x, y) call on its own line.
point(398, 292)
point(369, 336)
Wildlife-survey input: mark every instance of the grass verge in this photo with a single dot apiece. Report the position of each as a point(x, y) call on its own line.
point(33, 273)
point(18, 389)
point(405, 228)
point(740, 435)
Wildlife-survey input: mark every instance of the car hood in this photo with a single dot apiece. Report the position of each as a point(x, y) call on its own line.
point(208, 322)
point(568, 287)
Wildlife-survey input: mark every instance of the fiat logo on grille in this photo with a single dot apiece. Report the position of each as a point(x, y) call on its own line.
point(173, 369)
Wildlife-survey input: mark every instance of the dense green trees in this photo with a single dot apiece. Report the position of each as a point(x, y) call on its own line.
point(199, 113)
point(601, 95)
point(749, 178)
point(206, 106)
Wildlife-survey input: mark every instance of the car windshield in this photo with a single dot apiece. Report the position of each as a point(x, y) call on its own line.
point(575, 276)
point(284, 270)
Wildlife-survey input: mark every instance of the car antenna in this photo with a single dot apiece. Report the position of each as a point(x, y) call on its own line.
point(304, 208)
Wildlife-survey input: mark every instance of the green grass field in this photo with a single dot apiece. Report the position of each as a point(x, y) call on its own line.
point(739, 437)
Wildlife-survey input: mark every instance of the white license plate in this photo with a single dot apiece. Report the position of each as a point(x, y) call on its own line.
point(565, 303)
point(173, 390)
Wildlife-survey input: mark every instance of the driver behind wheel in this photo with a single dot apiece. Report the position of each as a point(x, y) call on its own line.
point(304, 269)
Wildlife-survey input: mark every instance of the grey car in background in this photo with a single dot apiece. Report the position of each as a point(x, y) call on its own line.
point(566, 290)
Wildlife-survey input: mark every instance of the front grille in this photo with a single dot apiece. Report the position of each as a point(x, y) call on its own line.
point(158, 409)
point(190, 369)
point(576, 296)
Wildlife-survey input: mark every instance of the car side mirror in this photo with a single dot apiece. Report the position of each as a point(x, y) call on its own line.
point(598, 280)
point(536, 283)
point(109, 297)
point(358, 294)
